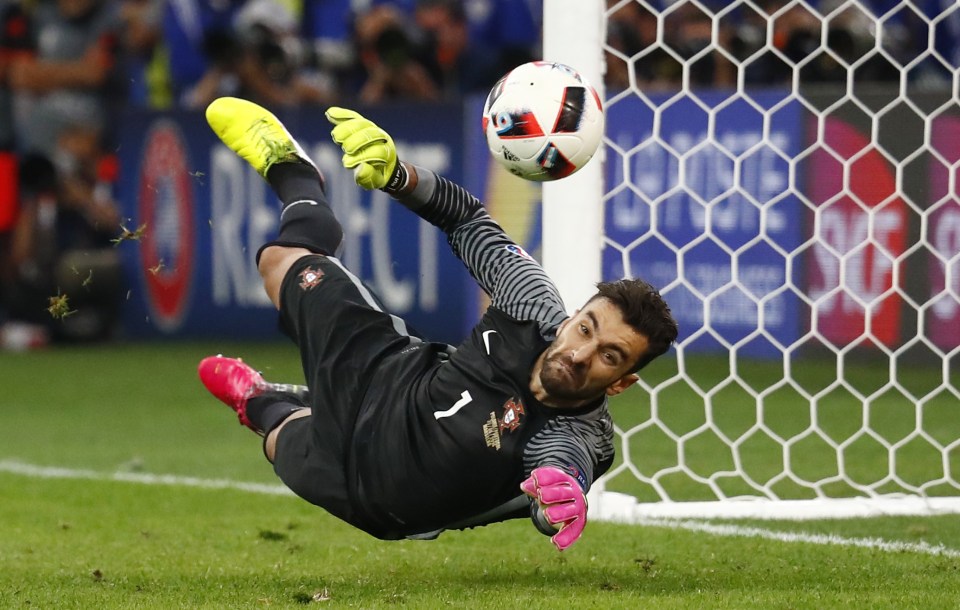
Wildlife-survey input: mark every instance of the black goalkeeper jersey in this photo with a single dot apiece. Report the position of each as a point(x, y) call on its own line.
point(445, 436)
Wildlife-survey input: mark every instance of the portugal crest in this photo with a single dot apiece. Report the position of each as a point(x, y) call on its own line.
point(310, 277)
point(512, 410)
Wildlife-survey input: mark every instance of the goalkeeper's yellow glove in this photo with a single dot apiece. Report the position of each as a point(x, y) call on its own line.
point(367, 149)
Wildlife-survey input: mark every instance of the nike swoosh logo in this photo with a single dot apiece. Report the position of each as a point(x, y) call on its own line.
point(486, 339)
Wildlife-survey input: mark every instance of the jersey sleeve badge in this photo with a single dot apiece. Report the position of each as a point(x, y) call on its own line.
point(515, 249)
point(310, 277)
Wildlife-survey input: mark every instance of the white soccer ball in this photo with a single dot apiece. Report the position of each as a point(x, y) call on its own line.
point(543, 121)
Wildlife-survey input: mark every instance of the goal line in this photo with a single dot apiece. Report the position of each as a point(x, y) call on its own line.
point(624, 508)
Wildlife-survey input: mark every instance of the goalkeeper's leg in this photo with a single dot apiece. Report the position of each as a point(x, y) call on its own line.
point(307, 223)
point(270, 441)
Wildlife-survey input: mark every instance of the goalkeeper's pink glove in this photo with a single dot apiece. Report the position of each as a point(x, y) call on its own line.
point(561, 501)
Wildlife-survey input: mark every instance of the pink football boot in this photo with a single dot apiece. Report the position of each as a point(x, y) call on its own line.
point(233, 382)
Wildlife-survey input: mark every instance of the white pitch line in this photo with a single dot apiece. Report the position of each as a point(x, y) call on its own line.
point(726, 530)
point(49, 472)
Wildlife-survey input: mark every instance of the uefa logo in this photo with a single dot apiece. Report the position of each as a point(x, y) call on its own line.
point(165, 204)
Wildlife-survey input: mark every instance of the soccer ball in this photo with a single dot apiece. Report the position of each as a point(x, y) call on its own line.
point(543, 121)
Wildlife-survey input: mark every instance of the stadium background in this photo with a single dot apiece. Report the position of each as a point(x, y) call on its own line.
point(124, 485)
point(209, 213)
point(782, 217)
point(192, 274)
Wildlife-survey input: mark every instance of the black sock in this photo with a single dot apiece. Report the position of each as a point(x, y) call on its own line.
point(295, 182)
point(307, 220)
point(268, 410)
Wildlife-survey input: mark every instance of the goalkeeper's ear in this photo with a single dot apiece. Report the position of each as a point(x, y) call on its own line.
point(622, 384)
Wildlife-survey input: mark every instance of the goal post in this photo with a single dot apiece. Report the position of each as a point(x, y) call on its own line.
point(786, 173)
point(572, 214)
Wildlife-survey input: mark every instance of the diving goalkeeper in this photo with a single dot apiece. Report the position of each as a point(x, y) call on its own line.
point(402, 437)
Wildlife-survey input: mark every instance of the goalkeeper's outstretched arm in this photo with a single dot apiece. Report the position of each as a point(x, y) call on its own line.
point(516, 283)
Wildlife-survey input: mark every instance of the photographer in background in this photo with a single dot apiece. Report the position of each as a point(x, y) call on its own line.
point(248, 49)
point(390, 58)
point(68, 75)
point(456, 62)
point(61, 246)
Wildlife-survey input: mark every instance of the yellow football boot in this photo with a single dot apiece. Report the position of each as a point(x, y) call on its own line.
point(254, 133)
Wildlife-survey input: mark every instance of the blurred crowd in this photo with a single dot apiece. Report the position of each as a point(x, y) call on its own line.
point(68, 66)
point(657, 44)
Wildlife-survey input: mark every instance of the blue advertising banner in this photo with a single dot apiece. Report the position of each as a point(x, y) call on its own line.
point(716, 209)
point(205, 212)
point(712, 210)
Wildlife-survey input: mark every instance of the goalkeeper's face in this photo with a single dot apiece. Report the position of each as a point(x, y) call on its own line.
point(593, 354)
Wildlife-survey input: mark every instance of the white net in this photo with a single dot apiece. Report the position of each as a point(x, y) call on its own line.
point(786, 173)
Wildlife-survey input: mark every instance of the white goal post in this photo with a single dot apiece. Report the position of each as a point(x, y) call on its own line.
point(786, 173)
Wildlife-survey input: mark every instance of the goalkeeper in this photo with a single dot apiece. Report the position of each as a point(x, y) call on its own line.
point(401, 437)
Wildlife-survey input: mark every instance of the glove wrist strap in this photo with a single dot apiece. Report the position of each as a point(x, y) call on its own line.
point(398, 180)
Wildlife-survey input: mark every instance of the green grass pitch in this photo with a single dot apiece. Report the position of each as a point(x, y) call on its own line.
point(140, 410)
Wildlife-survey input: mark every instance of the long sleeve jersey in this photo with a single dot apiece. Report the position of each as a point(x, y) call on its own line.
point(446, 435)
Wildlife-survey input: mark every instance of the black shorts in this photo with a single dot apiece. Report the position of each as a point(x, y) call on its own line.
point(343, 334)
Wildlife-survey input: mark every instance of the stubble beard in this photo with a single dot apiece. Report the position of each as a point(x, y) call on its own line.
point(562, 379)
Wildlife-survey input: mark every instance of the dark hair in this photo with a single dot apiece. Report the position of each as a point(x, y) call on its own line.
point(645, 311)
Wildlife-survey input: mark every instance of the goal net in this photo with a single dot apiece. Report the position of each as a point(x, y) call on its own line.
point(786, 173)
